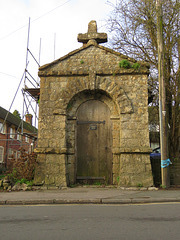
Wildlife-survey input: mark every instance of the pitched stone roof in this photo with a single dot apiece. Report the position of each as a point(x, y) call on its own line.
point(106, 60)
point(43, 70)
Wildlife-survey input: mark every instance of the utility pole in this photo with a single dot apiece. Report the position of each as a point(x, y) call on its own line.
point(162, 99)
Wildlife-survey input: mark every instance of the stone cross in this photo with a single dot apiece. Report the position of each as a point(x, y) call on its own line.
point(92, 35)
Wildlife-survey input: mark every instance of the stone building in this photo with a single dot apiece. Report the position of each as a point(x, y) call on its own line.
point(93, 117)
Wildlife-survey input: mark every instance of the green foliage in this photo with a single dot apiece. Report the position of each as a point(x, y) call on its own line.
point(97, 183)
point(136, 65)
point(124, 64)
point(118, 178)
point(73, 185)
point(17, 114)
point(139, 185)
point(23, 180)
point(81, 62)
point(11, 176)
point(2, 176)
point(69, 106)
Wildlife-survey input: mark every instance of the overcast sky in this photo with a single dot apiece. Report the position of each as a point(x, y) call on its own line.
point(57, 21)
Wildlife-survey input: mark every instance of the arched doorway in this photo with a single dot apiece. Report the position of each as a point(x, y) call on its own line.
point(94, 142)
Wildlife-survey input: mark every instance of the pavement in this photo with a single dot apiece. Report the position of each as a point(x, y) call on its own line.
point(89, 195)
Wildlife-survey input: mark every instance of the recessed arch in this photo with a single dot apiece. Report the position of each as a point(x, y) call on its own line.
point(100, 98)
point(104, 85)
point(85, 95)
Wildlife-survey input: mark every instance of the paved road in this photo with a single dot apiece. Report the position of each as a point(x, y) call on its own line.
point(87, 222)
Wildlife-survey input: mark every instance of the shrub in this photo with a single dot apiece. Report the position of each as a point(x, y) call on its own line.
point(124, 64)
point(136, 65)
point(23, 167)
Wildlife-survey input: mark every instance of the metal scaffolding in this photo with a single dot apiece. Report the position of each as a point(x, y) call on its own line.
point(30, 94)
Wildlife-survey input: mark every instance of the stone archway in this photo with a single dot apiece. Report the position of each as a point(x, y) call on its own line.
point(104, 84)
point(92, 115)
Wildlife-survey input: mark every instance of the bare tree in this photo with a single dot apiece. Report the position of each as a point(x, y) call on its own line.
point(133, 28)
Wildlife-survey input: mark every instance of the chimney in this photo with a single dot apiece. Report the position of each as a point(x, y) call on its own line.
point(29, 118)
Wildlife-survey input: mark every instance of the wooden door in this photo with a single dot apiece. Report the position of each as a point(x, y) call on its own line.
point(93, 141)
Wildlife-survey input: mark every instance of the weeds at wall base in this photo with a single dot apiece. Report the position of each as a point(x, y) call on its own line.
point(19, 171)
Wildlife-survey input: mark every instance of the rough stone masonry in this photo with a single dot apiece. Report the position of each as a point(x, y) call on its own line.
point(93, 117)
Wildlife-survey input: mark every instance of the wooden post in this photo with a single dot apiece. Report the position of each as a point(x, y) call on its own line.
point(162, 95)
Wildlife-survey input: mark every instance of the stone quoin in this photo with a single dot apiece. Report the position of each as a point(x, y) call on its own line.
point(93, 118)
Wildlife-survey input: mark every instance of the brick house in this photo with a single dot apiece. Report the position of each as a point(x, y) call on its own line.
point(12, 139)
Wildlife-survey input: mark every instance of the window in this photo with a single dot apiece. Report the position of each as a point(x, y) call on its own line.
point(12, 132)
point(18, 154)
point(18, 136)
point(1, 154)
point(15, 154)
point(11, 153)
point(26, 139)
point(2, 128)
